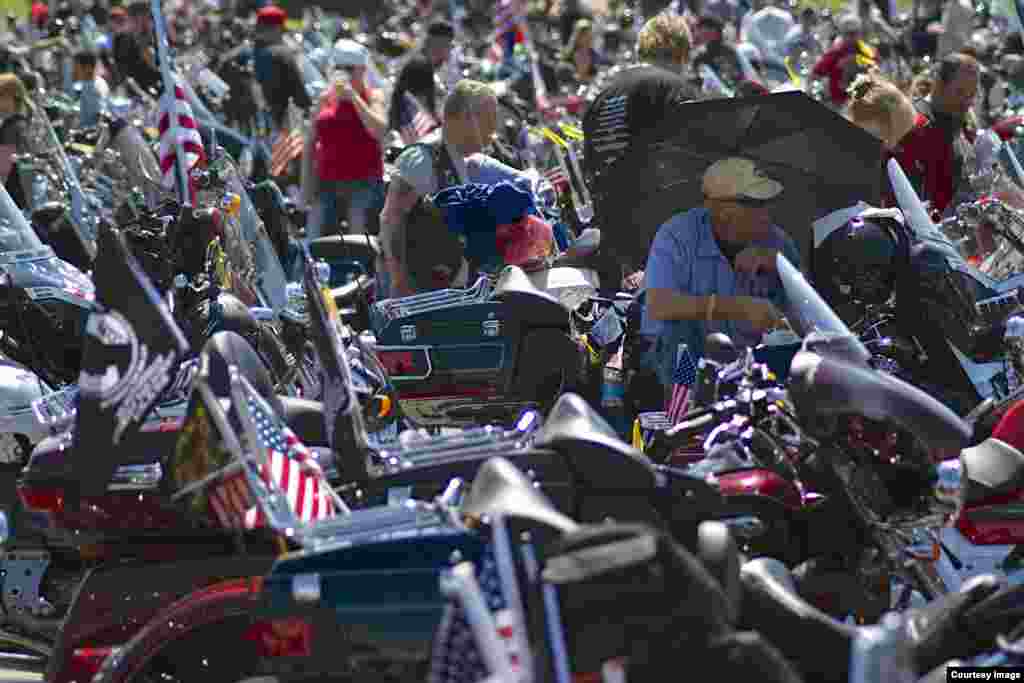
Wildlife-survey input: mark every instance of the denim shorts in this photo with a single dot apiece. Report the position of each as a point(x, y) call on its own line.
point(363, 195)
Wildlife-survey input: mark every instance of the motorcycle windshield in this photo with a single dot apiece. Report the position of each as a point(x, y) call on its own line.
point(814, 320)
point(914, 213)
point(253, 249)
point(47, 148)
point(16, 235)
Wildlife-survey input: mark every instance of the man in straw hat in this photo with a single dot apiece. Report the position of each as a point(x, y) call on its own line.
point(712, 268)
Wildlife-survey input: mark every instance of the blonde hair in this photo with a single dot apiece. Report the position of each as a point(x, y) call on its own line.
point(873, 97)
point(664, 38)
point(12, 85)
point(467, 97)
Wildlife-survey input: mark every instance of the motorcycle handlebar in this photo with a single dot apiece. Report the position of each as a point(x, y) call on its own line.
point(831, 387)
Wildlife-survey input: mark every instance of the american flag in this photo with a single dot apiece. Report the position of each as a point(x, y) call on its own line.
point(558, 178)
point(414, 121)
point(456, 657)
point(188, 135)
point(289, 467)
point(287, 147)
point(683, 377)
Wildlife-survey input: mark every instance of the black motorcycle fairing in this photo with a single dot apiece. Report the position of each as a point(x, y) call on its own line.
point(938, 292)
point(828, 387)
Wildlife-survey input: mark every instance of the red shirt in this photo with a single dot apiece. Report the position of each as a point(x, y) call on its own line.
point(833, 65)
point(927, 156)
point(345, 149)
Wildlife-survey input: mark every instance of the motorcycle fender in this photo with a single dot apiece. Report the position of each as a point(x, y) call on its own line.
point(186, 617)
point(113, 603)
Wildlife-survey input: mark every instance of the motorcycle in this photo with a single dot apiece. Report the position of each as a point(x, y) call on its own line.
point(923, 311)
point(55, 543)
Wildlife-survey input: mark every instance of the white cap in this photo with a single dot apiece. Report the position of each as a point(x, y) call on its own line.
point(350, 53)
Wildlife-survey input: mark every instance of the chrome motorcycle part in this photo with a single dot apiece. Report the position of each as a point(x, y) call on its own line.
point(23, 576)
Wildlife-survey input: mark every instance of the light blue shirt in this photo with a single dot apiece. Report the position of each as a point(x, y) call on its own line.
point(685, 258)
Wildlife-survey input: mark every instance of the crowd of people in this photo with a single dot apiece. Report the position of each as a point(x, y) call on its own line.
point(710, 267)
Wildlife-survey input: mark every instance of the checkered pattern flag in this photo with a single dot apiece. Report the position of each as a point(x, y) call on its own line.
point(683, 377)
point(456, 657)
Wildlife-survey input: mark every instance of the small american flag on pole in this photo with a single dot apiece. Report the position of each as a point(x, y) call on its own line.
point(287, 147)
point(288, 467)
point(414, 121)
point(683, 377)
point(187, 132)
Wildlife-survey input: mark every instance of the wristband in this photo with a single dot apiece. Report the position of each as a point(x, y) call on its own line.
point(711, 307)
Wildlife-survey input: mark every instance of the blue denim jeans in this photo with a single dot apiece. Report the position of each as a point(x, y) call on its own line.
point(364, 197)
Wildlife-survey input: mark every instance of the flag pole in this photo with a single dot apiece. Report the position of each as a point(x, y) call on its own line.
point(164, 56)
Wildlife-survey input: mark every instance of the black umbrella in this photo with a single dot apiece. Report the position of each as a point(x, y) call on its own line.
point(823, 160)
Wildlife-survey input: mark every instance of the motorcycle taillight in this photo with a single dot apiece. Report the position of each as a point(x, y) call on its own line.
point(289, 637)
point(41, 498)
point(86, 662)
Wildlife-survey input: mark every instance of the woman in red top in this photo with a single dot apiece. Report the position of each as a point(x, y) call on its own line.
point(839, 61)
point(350, 128)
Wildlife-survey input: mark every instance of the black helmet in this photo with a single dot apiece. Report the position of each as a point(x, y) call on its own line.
point(857, 263)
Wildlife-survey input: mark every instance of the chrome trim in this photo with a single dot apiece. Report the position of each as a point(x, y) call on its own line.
point(745, 528)
point(136, 477)
point(306, 588)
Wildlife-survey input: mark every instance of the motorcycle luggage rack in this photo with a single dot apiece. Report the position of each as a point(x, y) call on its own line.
point(393, 309)
point(477, 441)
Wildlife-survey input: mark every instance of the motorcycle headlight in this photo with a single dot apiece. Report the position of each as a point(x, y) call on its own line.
point(949, 484)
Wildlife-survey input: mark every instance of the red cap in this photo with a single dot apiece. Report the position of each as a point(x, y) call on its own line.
point(40, 12)
point(271, 15)
point(1010, 429)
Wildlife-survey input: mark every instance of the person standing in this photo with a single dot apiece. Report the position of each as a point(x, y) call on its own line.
point(634, 111)
point(276, 66)
point(935, 152)
point(134, 56)
point(418, 77)
point(350, 128)
point(452, 155)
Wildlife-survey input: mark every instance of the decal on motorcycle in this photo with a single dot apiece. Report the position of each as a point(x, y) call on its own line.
point(136, 385)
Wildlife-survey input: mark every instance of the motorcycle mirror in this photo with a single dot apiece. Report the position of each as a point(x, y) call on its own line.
point(719, 348)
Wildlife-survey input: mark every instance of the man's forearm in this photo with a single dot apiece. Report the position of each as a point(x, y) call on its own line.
point(674, 306)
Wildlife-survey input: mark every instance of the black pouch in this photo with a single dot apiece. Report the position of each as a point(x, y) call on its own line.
point(630, 591)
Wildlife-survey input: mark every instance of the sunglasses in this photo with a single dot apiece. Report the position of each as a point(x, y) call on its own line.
point(750, 203)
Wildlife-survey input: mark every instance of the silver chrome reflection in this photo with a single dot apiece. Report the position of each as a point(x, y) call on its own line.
point(306, 588)
point(950, 476)
point(745, 528)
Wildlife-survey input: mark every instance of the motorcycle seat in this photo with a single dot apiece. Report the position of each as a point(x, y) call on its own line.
point(600, 458)
point(818, 645)
point(305, 418)
point(516, 291)
point(992, 468)
point(362, 248)
point(501, 488)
